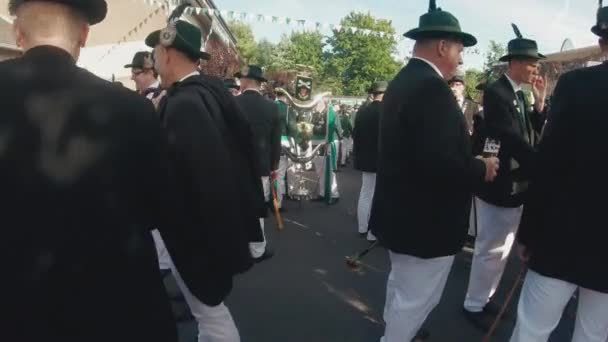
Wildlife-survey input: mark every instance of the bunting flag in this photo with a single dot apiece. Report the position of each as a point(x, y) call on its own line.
point(246, 17)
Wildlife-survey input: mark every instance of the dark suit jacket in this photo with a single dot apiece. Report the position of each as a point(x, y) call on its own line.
point(426, 172)
point(365, 137)
point(211, 146)
point(501, 121)
point(564, 220)
point(470, 109)
point(264, 118)
point(83, 173)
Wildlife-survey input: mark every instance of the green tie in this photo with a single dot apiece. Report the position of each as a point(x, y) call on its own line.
point(521, 102)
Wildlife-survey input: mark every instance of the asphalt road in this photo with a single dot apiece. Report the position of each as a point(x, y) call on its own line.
point(307, 294)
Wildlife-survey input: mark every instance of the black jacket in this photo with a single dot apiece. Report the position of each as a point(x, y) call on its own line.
point(83, 173)
point(264, 118)
point(211, 147)
point(564, 220)
point(501, 121)
point(365, 137)
point(426, 171)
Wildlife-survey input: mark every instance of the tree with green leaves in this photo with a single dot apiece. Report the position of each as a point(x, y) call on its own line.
point(493, 54)
point(245, 41)
point(472, 78)
point(358, 59)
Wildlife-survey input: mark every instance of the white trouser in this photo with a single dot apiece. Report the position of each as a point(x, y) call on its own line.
point(472, 219)
point(542, 302)
point(368, 185)
point(413, 289)
point(496, 229)
point(257, 249)
point(215, 323)
point(343, 151)
point(320, 168)
point(282, 172)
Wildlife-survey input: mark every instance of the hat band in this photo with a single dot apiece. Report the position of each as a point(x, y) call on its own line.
point(523, 52)
point(440, 28)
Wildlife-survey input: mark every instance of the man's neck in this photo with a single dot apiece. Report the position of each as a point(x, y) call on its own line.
point(179, 74)
point(150, 84)
point(429, 59)
point(58, 43)
point(256, 89)
point(513, 78)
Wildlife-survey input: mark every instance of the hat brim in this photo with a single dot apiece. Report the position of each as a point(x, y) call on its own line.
point(467, 39)
point(95, 11)
point(598, 31)
point(509, 57)
point(153, 39)
point(240, 75)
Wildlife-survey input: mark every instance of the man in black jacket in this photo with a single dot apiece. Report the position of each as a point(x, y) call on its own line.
point(367, 127)
point(144, 75)
point(83, 171)
point(264, 118)
point(210, 144)
point(562, 233)
point(510, 119)
point(426, 175)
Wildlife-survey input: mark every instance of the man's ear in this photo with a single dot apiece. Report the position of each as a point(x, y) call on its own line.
point(84, 35)
point(18, 35)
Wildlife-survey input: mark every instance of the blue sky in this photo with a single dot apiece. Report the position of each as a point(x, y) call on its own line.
point(547, 21)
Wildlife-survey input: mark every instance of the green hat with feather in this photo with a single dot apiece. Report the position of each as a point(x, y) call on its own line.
point(437, 23)
point(601, 27)
point(521, 48)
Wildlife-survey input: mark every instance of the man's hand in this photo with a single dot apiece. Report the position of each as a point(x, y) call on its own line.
point(524, 253)
point(539, 89)
point(492, 165)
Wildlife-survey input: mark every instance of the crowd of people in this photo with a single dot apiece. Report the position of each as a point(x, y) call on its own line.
point(106, 190)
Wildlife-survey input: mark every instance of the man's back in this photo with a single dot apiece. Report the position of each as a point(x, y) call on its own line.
point(264, 118)
point(366, 137)
point(82, 171)
point(426, 172)
point(562, 222)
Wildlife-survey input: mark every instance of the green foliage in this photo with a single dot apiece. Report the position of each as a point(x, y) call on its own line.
point(245, 41)
point(358, 59)
point(493, 54)
point(472, 78)
point(344, 63)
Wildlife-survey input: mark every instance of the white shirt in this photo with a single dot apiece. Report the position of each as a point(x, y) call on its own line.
point(516, 87)
point(153, 85)
point(431, 64)
point(194, 73)
point(252, 89)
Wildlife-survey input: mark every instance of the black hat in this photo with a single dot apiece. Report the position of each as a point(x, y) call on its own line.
point(481, 86)
point(439, 24)
point(141, 60)
point(251, 71)
point(601, 28)
point(188, 39)
point(378, 87)
point(94, 10)
point(230, 83)
point(458, 77)
point(521, 47)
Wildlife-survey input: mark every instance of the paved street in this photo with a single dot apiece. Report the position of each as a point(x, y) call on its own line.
point(307, 294)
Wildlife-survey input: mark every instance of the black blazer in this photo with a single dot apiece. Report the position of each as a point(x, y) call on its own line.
point(564, 220)
point(501, 121)
point(220, 193)
point(426, 171)
point(365, 137)
point(83, 173)
point(264, 118)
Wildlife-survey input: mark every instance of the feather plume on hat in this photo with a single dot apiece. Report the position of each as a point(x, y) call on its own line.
point(517, 31)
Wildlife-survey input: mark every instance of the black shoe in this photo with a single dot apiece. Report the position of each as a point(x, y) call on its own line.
point(363, 235)
point(268, 253)
point(334, 201)
point(480, 320)
point(421, 336)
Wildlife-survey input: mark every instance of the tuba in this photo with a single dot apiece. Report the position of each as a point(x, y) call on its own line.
point(310, 117)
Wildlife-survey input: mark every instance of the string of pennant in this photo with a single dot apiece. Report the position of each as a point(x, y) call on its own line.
point(249, 17)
